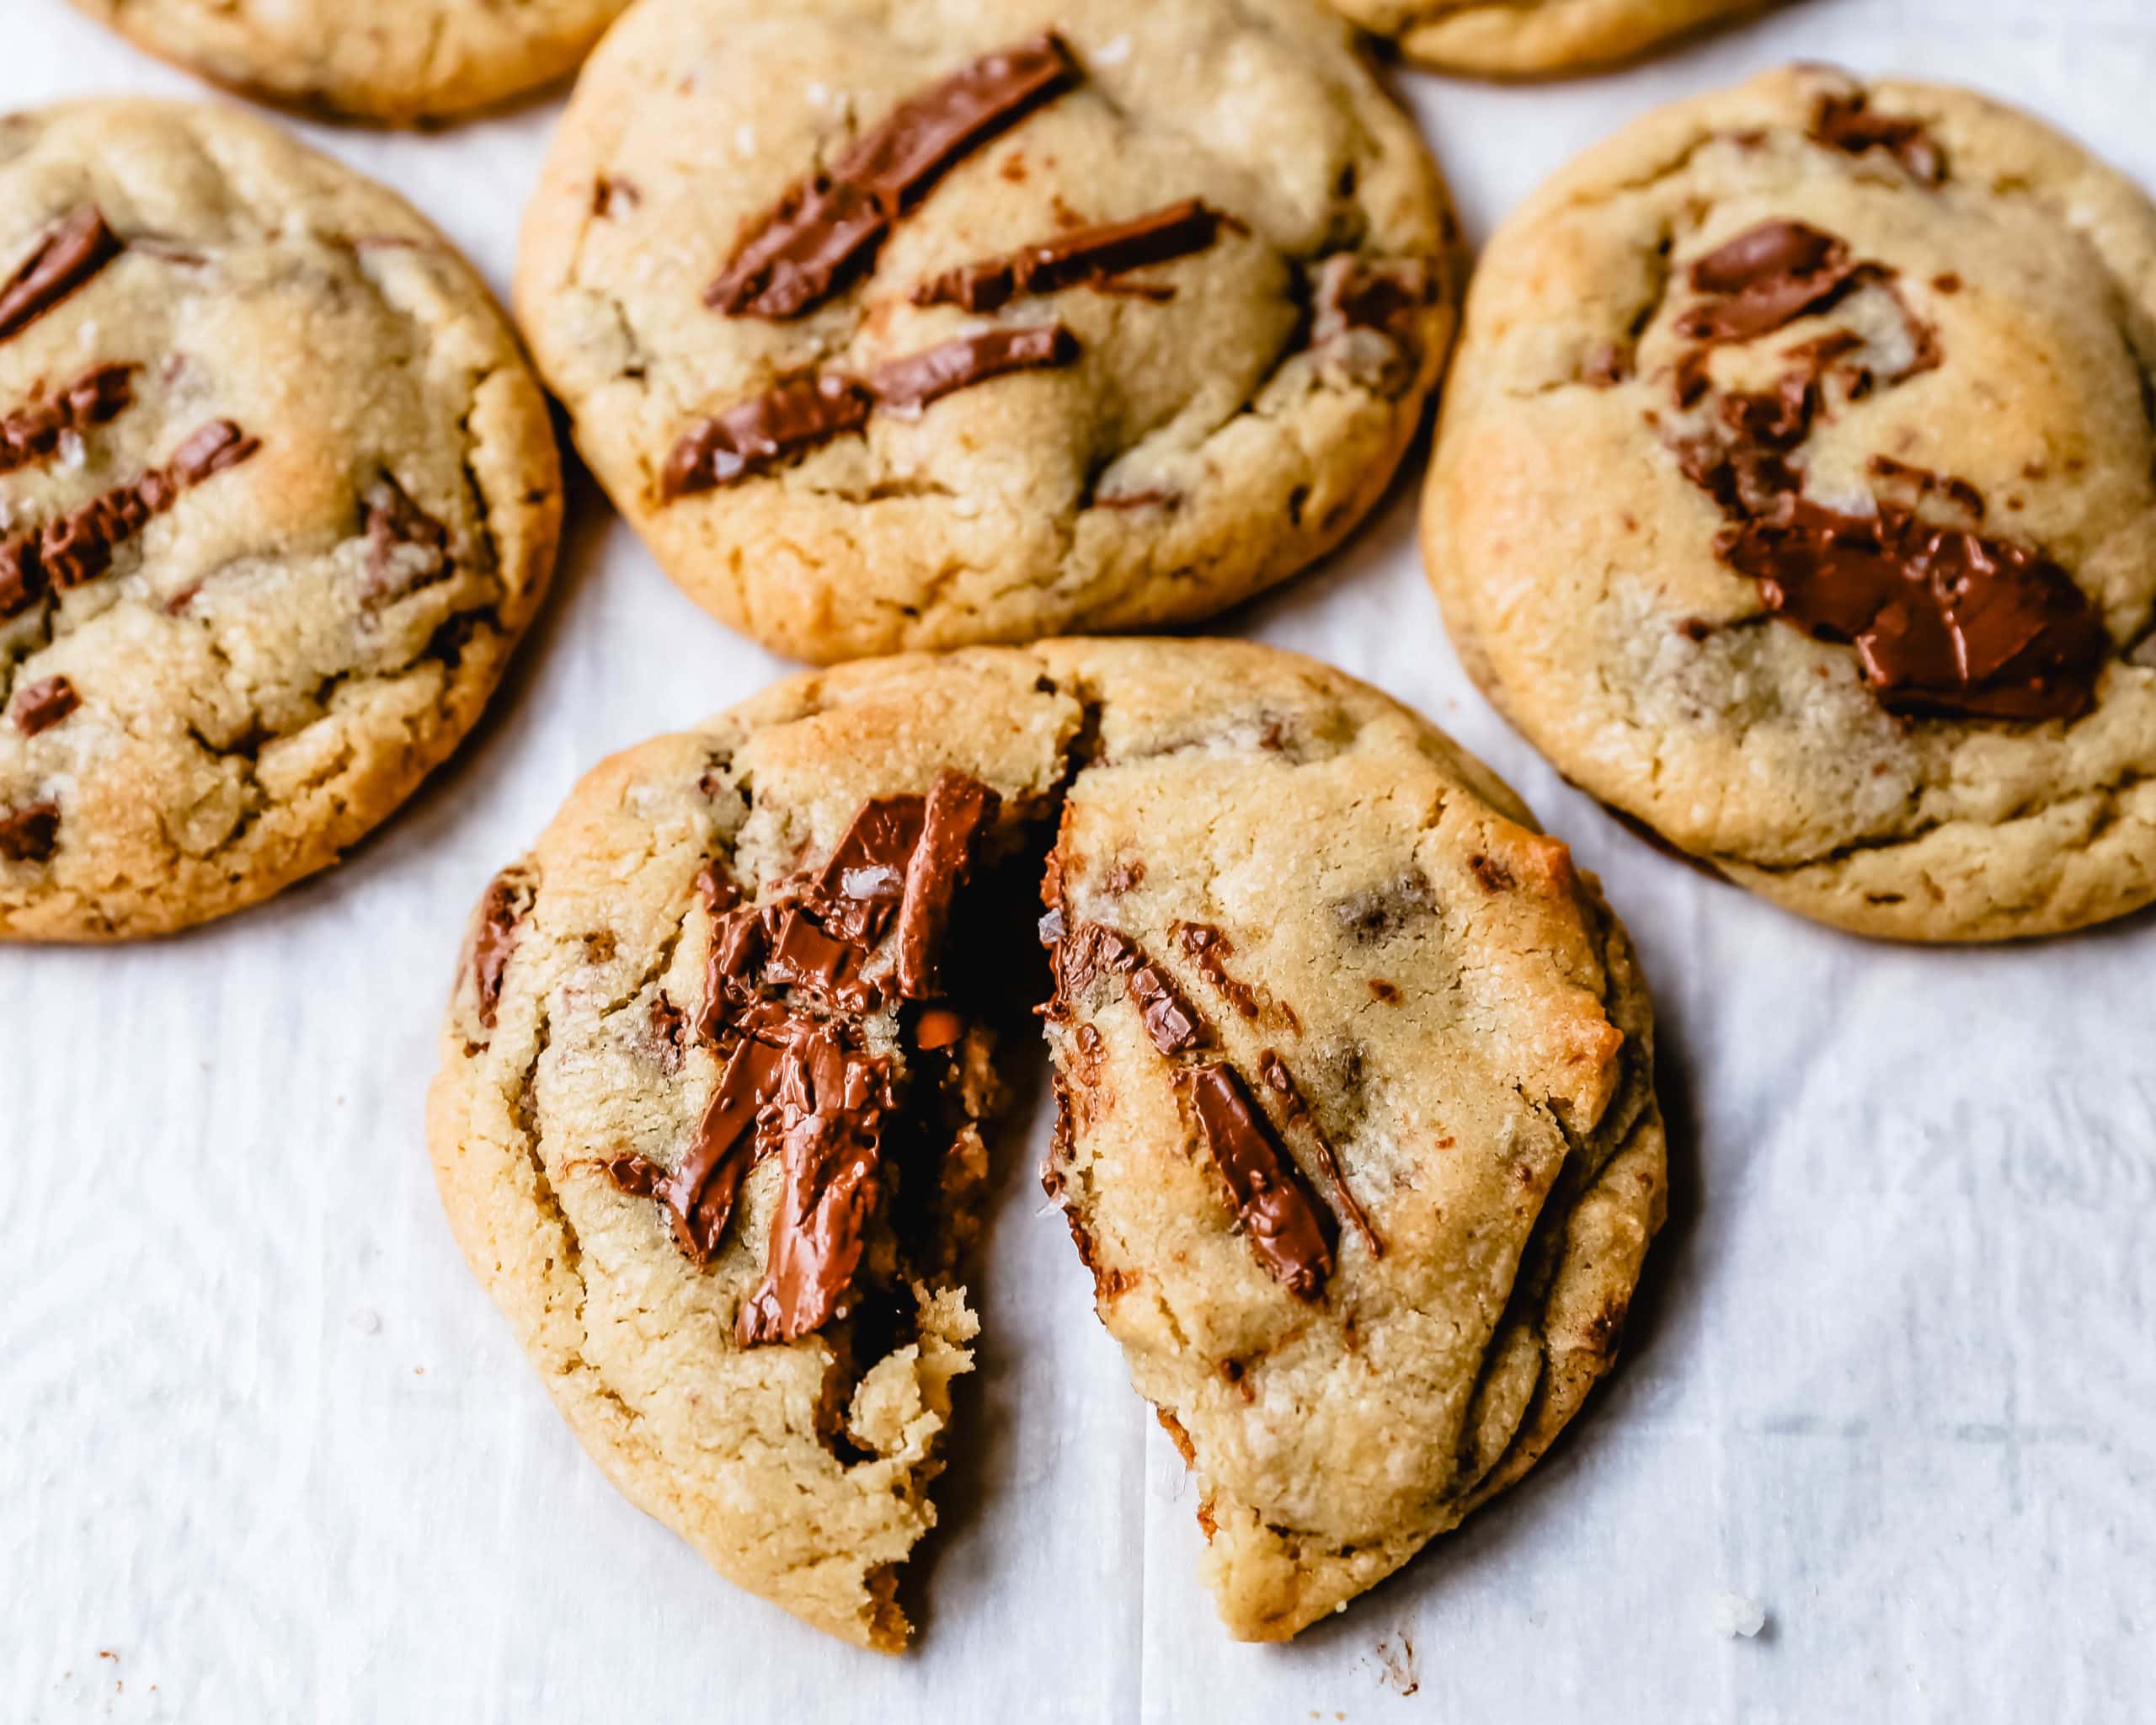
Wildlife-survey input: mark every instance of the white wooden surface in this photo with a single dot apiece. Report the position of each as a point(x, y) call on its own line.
point(266, 1452)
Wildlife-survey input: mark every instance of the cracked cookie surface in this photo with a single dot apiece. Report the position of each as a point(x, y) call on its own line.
point(1530, 38)
point(1845, 582)
point(765, 233)
point(1486, 1116)
point(277, 496)
point(396, 61)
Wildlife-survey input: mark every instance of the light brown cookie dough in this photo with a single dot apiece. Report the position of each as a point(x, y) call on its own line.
point(914, 323)
point(277, 496)
point(1533, 38)
point(752, 1320)
point(1843, 580)
point(397, 61)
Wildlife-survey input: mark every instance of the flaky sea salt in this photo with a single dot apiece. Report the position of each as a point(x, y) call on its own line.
point(1735, 1615)
point(1113, 51)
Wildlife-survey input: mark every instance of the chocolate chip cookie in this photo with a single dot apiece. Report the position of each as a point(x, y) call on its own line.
point(277, 496)
point(929, 324)
point(1845, 581)
point(398, 62)
point(1531, 38)
point(1359, 1141)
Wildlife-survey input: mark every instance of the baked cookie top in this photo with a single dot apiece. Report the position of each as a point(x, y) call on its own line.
point(277, 495)
point(915, 322)
point(1530, 38)
point(398, 62)
point(1843, 582)
point(1369, 1304)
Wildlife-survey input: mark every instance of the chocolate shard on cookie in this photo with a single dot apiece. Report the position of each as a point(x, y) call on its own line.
point(930, 326)
point(1824, 618)
point(1387, 1247)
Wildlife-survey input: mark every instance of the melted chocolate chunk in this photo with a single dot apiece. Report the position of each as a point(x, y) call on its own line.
point(1360, 301)
point(501, 922)
point(1173, 1024)
point(826, 230)
point(44, 704)
point(1084, 257)
point(30, 833)
point(699, 1195)
point(59, 264)
point(1285, 1227)
point(1207, 948)
point(78, 545)
point(1846, 123)
point(407, 548)
point(959, 811)
point(1274, 1070)
point(756, 436)
point(1768, 277)
point(30, 435)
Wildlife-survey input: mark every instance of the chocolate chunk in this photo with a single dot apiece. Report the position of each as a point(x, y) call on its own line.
point(959, 811)
point(1846, 123)
point(754, 436)
point(30, 435)
point(1208, 949)
point(1945, 621)
point(1285, 1228)
point(60, 262)
point(916, 380)
point(30, 833)
point(699, 1195)
point(803, 956)
point(407, 548)
point(209, 449)
point(1172, 1022)
point(829, 1109)
point(861, 886)
point(78, 545)
point(937, 1026)
point(22, 577)
point(825, 231)
point(1274, 1070)
point(1768, 277)
point(501, 922)
point(43, 705)
point(715, 889)
point(1086, 257)
point(757, 434)
point(1366, 313)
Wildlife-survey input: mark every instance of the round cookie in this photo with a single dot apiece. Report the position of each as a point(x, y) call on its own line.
point(1533, 38)
point(277, 496)
point(923, 323)
point(397, 61)
point(741, 1271)
point(1845, 583)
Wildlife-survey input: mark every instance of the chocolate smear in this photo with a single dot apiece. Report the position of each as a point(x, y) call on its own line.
point(1207, 948)
point(31, 833)
point(1846, 123)
point(1284, 1225)
point(30, 435)
point(59, 264)
point(1091, 256)
point(44, 704)
point(826, 230)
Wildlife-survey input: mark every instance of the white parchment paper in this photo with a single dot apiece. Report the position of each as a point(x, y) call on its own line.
point(267, 1453)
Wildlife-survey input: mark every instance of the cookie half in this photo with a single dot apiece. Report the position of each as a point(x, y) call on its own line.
point(1533, 38)
point(277, 497)
point(708, 1120)
point(918, 325)
point(398, 61)
point(1843, 581)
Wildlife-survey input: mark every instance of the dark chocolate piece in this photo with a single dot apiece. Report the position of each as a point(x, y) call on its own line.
point(699, 1195)
point(78, 545)
point(1086, 257)
point(1274, 1070)
point(1285, 1227)
point(959, 811)
point(1768, 277)
point(859, 890)
point(753, 435)
point(68, 256)
point(1847, 124)
point(29, 834)
point(1384, 296)
point(1207, 948)
point(30, 435)
point(825, 231)
point(501, 921)
point(43, 705)
point(393, 522)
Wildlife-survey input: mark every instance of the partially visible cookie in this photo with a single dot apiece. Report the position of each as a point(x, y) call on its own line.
point(1846, 580)
point(1357, 1125)
point(925, 324)
point(277, 496)
point(1533, 38)
point(398, 62)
